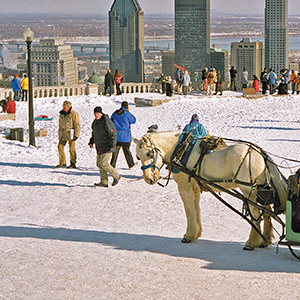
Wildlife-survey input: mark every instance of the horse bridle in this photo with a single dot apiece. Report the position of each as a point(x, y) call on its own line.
point(155, 154)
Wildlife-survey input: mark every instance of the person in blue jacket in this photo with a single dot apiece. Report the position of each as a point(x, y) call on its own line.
point(199, 130)
point(122, 120)
point(272, 77)
point(188, 139)
point(15, 85)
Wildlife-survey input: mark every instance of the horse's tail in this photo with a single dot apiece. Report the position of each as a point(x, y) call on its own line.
point(278, 179)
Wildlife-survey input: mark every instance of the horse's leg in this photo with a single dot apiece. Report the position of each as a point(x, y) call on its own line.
point(190, 195)
point(254, 240)
point(268, 229)
point(197, 192)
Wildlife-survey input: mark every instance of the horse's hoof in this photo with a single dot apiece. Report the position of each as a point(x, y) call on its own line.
point(185, 241)
point(248, 248)
point(263, 246)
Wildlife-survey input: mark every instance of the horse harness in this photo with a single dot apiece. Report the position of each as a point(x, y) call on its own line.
point(154, 153)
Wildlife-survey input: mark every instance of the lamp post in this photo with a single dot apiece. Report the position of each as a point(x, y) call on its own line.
point(28, 37)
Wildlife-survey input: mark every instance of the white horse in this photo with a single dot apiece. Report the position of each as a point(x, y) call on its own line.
point(156, 149)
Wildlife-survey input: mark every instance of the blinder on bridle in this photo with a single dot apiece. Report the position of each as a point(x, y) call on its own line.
point(153, 153)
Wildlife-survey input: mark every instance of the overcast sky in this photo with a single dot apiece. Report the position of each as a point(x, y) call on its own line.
point(148, 6)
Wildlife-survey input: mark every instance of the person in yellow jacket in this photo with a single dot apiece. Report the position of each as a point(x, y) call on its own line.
point(68, 131)
point(24, 87)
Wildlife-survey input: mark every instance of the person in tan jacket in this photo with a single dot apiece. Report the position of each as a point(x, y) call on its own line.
point(68, 131)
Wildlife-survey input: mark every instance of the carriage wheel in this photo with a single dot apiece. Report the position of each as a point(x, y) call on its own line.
point(292, 251)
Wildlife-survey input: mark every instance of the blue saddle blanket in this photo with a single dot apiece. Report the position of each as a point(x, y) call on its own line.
point(185, 156)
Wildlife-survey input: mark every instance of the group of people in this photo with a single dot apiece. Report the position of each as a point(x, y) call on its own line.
point(269, 80)
point(182, 79)
point(20, 89)
point(272, 81)
point(109, 135)
point(212, 81)
point(110, 80)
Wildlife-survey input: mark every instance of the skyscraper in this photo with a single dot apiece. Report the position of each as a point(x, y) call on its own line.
point(126, 39)
point(192, 34)
point(276, 34)
point(249, 55)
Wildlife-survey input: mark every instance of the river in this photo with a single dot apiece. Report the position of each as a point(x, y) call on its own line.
point(224, 43)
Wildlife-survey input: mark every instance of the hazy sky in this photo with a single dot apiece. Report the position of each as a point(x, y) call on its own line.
point(148, 6)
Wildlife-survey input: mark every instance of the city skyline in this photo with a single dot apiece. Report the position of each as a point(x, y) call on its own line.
point(102, 7)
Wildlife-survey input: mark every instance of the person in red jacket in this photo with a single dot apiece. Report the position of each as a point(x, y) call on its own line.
point(293, 80)
point(10, 106)
point(255, 83)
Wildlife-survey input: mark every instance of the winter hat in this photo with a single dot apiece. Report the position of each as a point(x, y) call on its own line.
point(124, 104)
point(195, 117)
point(98, 109)
point(16, 75)
point(67, 103)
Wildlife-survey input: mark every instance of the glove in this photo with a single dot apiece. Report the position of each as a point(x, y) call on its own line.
point(75, 138)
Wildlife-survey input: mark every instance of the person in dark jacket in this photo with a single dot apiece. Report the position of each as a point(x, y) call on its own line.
point(264, 80)
point(204, 78)
point(109, 83)
point(219, 84)
point(162, 81)
point(104, 136)
point(169, 86)
point(122, 120)
point(178, 78)
point(233, 73)
point(282, 88)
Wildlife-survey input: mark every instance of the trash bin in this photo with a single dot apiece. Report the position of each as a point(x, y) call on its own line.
point(16, 134)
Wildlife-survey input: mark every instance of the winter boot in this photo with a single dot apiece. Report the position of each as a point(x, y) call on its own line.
point(71, 166)
point(116, 181)
point(100, 184)
point(61, 165)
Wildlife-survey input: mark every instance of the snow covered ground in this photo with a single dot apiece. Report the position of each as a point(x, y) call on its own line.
point(63, 238)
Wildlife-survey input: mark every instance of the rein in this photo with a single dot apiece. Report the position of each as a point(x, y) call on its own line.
point(256, 147)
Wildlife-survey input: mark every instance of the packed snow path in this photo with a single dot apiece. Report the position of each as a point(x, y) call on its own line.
point(63, 238)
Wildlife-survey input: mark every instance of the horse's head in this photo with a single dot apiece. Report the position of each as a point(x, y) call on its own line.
point(151, 158)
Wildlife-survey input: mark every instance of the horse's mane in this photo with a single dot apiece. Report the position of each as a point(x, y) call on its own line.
point(164, 140)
